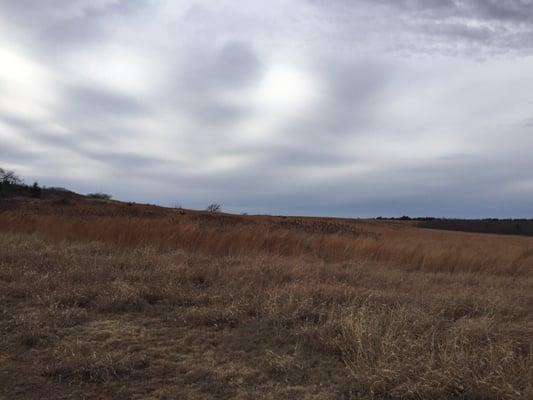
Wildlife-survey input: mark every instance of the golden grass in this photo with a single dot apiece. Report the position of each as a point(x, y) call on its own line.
point(405, 247)
point(99, 304)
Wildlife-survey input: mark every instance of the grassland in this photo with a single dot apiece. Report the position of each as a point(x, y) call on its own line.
point(101, 299)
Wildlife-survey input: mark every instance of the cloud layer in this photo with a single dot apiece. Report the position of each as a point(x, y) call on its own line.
point(349, 108)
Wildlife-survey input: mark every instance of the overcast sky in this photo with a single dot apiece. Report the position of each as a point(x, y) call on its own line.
point(317, 107)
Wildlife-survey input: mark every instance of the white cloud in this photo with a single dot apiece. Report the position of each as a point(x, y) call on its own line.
point(27, 86)
point(286, 90)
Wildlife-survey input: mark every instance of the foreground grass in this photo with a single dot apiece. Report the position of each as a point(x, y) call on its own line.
point(115, 318)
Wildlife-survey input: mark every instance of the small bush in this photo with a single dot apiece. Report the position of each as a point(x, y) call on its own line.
point(35, 190)
point(100, 196)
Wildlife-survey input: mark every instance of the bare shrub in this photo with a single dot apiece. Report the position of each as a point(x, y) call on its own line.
point(214, 207)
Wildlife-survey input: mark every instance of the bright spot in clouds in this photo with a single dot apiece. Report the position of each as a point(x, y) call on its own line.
point(286, 90)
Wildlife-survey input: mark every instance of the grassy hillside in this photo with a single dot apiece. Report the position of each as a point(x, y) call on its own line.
point(102, 299)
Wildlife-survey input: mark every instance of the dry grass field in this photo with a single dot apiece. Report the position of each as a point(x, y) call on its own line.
point(105, 300)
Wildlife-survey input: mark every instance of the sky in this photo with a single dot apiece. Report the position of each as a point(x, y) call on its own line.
point(314, 107)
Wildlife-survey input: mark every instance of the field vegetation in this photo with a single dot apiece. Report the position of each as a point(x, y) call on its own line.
point(102, 299)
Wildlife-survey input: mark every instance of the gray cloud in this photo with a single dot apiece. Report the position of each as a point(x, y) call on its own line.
point(451, 26)
point(514, 10)
point(202, 80)
point(352, 108)
point(14, 155)
point(352, 88)
point(90, 102)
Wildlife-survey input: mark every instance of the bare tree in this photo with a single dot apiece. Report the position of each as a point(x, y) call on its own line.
point(213, 207)
point(8, 177)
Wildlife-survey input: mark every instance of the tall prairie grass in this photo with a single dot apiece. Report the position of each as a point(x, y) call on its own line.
point(408, 248)
point(142, 303)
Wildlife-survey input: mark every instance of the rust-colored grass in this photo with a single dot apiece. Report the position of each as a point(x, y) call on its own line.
point(105, 300)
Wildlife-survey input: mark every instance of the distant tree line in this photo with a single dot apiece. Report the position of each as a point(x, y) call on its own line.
point(520, 226)
point(406, 218)
point(487, 225)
